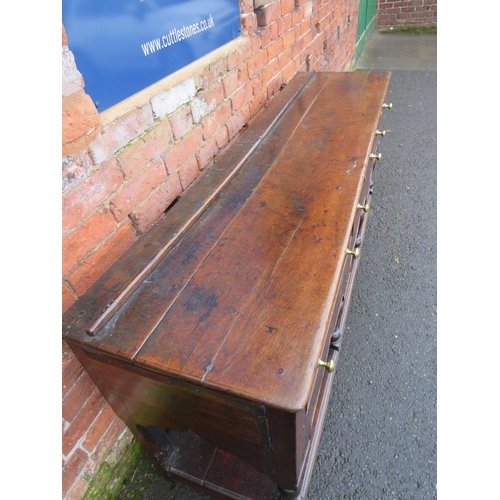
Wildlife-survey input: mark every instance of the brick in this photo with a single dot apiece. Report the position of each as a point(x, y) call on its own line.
point(82, 421)
point(96, 264)
point(188, 172)
point(308, 8)
point(72, 468)
point(315, 44)
point(77, 396)
point(297, 15)
point(237, 57)
point(87, 236)
point(245, 114)
point(285, 58)
point(275, 49)
point(78, 145)
point(71, 371)
point(257, 63)
point(72, 80)
point(258, 102)
point(75, 168)
point(241, 97)
point(214, 96)
point(212, 123)
point(274, 85)
point(214, 72)
point(68, 298)
point(137, 190)
point(149, 147)
point(79, 116)
point(307, 37)
point(304, 28)
point(235, 79)
point(221, 138)
point(106, 443)
point(256, 45)
point(199, 108)
point(268, 13)
point(181, 122)
point(287, 6)
point(257, 84)
point(119, 133)
point(179, 153)
point(86, 197)
point(231, 83)
point(249, 23)
point(78, 489)
point(207, 152)
point(152, 209)
point(269, 34)
point(168, 101)
point(97, 430)
point(235, 125)
point(246, 6)
point(297, 48)
point(289, 71)
point(284, 24)
point(271, 72)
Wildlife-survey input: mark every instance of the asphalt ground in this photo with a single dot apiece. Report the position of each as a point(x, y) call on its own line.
point(379, 440)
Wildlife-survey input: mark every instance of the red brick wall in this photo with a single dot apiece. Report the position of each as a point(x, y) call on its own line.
point(406, 13)
point(120, 176)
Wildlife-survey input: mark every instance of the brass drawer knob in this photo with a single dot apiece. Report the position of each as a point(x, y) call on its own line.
point(355, 253)
point(364, 207)
point(387, 106)
point(377, 156)
point(329, 365)
point(382, 133)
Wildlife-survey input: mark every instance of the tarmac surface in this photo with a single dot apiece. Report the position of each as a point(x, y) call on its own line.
point(380, 440)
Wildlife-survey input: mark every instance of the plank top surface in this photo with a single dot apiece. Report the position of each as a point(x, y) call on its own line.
point(241, 299)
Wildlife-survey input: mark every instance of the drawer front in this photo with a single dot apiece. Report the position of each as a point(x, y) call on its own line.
point(363, 203)
point(363, 207)
point(334, 330)
point(323, 377)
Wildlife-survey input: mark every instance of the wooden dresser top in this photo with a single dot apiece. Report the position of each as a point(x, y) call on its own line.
point(233, 288)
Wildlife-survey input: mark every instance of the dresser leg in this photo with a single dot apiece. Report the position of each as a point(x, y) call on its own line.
point(288, 494)
point(156, 444)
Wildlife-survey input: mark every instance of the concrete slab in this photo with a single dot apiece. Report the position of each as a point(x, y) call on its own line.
point(389, 63)
point(387, 50)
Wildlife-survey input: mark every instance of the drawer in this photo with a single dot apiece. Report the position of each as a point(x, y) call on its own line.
point(334, 330)
point(323, 377)
point(363, 205)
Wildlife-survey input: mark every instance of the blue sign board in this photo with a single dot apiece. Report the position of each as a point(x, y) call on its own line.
point(123, 46)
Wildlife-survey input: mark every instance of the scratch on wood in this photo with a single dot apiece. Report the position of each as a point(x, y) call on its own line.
point(272, 277)
point(353, 167)
point(211, 365)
